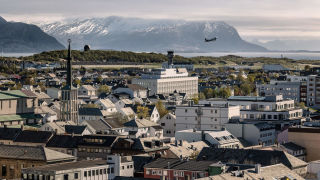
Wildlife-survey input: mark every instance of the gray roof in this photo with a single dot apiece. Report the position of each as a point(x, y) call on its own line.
point(177, 164)
point(68, 165)
point(249, 156)
point(37, 153)
point(97, 125)
point(90, 112)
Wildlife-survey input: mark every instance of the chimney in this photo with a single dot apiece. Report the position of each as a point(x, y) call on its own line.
point(257, 168)
point(170, 58)
point(181, 142)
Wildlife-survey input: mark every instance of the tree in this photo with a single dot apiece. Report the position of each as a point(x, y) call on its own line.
point(142, 112)
point(245, 89)
point(161, 109)
point(104, 89)
point(307, 68)
point(195, 99)
point(202, 96)
point(225, 92)
point(99, 79)
point(77, 82)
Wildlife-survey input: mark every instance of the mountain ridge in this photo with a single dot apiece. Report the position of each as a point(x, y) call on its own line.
point(21, 37)
point(135, 34)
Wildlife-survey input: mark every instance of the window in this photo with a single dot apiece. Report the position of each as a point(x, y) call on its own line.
point(93, 172)
point(104, 171)
point(163, 124)
point(186, 110)
point(100, 171)
point(65, 177)
point(97, 172)
point(112, 170)
point(85, 174)
point(122, 167)
point(89, 173)
point(4, 170)
point(76, 175)
point(108, 170)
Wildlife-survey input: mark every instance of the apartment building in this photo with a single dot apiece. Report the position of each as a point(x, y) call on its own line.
point(17, 107)
point(270, 108)
point(256, 133)
point(83, 170)
point(168, 80)
point(205, 116)
point(289, 90)
point(217, 138)
point(313, 91)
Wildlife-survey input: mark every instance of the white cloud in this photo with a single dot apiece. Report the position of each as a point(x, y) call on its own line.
point(263, 19)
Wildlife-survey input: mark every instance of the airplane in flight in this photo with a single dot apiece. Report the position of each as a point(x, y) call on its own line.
point(208, 40)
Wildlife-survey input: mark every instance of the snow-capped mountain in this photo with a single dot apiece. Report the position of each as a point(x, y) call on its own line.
point(136, 34)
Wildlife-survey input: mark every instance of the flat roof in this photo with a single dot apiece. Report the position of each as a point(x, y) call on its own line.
point(68, 165)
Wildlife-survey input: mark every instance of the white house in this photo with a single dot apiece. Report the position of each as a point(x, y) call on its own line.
point(140, 128)
point(168, 123)
point(107, 105)
point(90, 114)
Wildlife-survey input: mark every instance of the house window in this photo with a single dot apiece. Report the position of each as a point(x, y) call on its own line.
point(4, 170)
point(104, 171)
point(76, 175)
point(85, 174)
point(186, 110)
point(93, 172)
point(108, 170)
point(112, 170)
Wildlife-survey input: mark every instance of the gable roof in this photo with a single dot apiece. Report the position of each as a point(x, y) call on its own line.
point(9, 133)
point(292, 146)
point(98, 125)
point(140, 123)
point(90, 112)
point(32, 153)
point(63, 141)
point(33, 136)
point(74, 129)
point(250, 156)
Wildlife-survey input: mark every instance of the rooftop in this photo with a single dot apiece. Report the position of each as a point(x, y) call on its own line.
point(69, 165)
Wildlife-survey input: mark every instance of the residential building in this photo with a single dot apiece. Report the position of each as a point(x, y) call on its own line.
point(253, 157)
point(134, 90)
point(205, 116)
point(17, 107)
point(277, 171)
point(83, 170)
point(14, 158)
point(89, 114)
point(307, 137)
point(106, 105)
point(54, 93)
point(313, 91)
point(215, 138)
point(138, 128)
point(168, 123)
point(178, 169)
point(253, 132)
point(166, 81)
point(289, 90)
point(58, 126)
point(295, 150)
point(184, 149)
point(273, 109)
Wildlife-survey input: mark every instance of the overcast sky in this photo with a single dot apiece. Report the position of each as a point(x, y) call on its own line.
point(254, 19)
